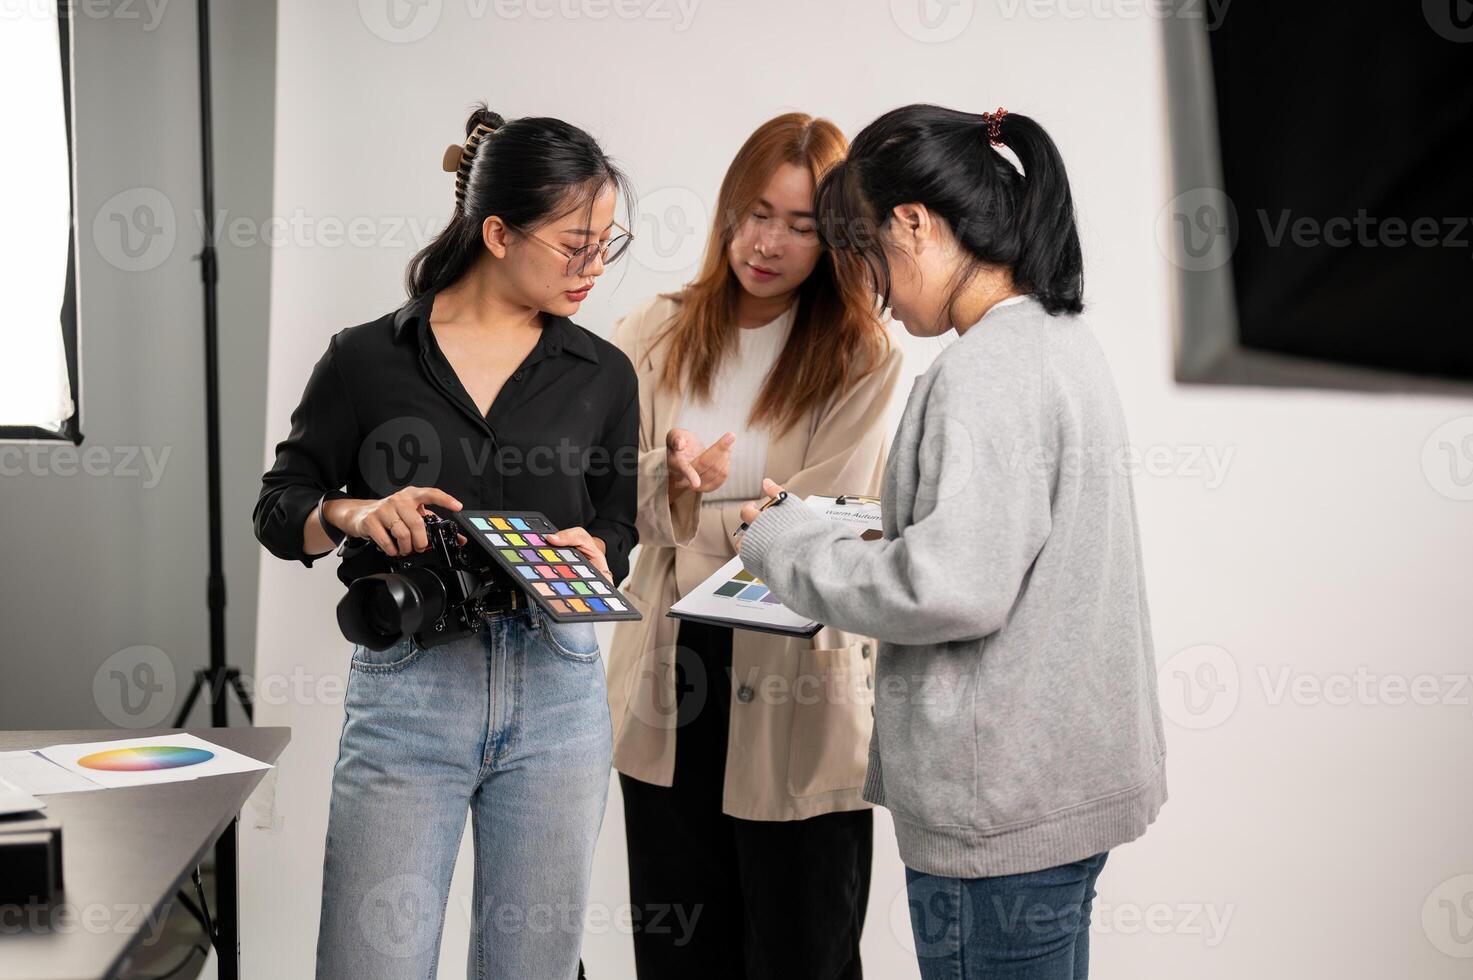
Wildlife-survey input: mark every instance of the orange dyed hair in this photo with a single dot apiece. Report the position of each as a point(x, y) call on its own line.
point(837, 337)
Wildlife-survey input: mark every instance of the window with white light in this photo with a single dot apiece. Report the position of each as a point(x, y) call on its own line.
point(38, 395)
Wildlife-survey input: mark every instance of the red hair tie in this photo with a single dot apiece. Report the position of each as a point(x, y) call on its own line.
point(994, 125)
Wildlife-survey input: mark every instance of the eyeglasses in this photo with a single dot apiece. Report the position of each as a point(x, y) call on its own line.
point(579, 259)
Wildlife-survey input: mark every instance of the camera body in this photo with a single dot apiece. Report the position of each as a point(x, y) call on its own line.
point(437, 596)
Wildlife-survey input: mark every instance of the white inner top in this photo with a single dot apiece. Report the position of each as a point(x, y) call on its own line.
point(733, 393)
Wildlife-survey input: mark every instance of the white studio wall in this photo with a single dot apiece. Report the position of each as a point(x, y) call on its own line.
point(109, 631)
point(1295, 543)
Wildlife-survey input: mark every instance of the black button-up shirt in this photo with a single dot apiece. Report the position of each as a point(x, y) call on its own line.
point(385, 410)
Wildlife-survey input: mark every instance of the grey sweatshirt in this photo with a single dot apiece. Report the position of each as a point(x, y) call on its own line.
point(1016, 720)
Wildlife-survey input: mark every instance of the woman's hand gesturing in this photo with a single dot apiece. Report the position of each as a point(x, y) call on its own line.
point(693, 466)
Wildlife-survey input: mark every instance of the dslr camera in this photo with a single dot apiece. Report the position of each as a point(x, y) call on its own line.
point(436, 596)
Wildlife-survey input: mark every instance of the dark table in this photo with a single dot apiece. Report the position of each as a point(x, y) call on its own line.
point(124, 854)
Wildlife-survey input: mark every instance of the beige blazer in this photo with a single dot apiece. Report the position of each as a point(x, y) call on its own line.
point(802, 709)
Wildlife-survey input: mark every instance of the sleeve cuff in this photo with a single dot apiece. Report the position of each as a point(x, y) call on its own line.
point(685, 517)
point(664, 524)
point(771, 528)
point(334, 533)
point(618, 543)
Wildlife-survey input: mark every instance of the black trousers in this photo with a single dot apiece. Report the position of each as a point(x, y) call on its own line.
point(719, 898)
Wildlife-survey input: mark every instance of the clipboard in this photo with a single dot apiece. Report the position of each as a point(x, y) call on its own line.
point(733, 597)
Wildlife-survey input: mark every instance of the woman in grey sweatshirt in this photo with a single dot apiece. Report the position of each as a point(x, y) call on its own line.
point(1017, 731)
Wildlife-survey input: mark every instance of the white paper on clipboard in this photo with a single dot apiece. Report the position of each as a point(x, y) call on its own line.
point(733, 597)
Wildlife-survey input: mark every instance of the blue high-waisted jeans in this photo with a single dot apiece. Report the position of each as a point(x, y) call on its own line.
point(511, 725)
point(1032, 926)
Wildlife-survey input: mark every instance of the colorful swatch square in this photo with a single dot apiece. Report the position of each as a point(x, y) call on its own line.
point(562, 580)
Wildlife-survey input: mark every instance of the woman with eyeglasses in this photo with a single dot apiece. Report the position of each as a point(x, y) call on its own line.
point(481, 393)
point(742, 755)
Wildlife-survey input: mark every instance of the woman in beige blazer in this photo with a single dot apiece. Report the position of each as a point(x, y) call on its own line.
point(741, 754)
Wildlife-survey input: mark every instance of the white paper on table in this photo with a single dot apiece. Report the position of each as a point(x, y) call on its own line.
point(33, 773)
point(13, 799)
point(221, 762)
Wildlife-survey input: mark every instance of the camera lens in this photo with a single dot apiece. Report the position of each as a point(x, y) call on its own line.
point(378, 610)
point(381, 613)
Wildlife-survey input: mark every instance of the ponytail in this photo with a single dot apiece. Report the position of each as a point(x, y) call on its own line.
point(1050, 262)
point(950, 162)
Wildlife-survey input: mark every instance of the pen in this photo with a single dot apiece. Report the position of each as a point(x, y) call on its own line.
point(781, 496)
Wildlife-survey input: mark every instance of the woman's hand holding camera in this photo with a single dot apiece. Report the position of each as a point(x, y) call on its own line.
point(396, 523)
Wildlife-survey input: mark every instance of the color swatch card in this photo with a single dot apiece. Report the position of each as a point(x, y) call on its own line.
point(734, 597)
point(153, 759)
point(559, 580)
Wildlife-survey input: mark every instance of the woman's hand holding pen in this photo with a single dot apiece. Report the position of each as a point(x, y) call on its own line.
point(693, 466)
point(751, 509)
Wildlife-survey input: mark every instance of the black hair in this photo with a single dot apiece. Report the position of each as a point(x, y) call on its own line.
point(524, 171)
point(942, 158)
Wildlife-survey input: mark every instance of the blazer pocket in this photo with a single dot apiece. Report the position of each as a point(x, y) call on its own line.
point(828, 750)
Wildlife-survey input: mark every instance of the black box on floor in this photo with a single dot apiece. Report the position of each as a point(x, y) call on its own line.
point(30, 862)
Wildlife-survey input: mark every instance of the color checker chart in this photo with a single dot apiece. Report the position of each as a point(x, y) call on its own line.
point(566, 586)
